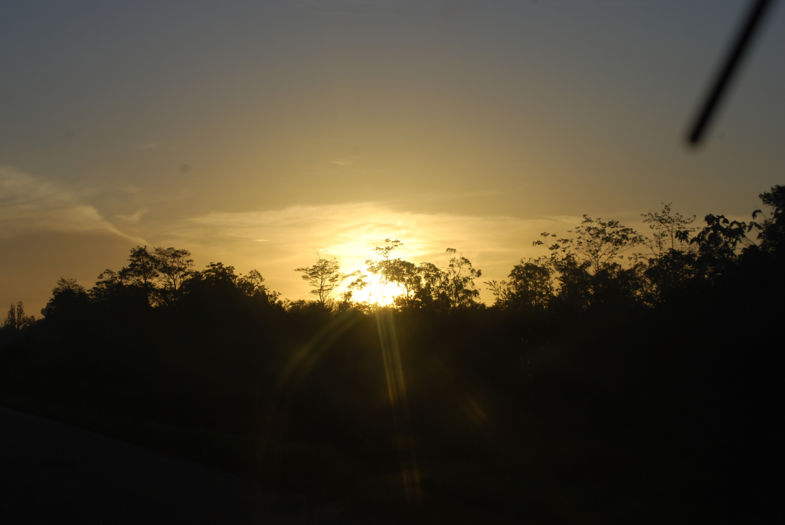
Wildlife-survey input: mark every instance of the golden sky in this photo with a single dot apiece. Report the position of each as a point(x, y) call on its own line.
point(262, 134)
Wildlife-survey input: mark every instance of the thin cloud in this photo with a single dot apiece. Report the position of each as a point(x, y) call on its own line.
point(135, 217)
point(29, 204)
point(294, 236)
point(342, 162)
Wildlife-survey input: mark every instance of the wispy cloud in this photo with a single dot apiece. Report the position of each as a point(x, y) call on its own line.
point(135, 217)
point(29, 204)
point(296, 235)
point(342, 162)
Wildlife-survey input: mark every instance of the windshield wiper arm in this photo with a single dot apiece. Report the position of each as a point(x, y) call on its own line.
point(729, 68)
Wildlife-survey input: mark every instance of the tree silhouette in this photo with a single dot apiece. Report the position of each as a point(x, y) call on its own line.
point(425, 285)
point(669, 230)
point(359, 281)
point(16, 319)
point(398, 271)
point(719, 243)
point(673, 347)
point(69, 300)
point(599, 242)
point(252, 285)
point(174, 267)
point(529, 286)
point(458, 282)
point(324, 276)
point(430, 293)
point(142, 268)
point(588, 262)
point(772, 229)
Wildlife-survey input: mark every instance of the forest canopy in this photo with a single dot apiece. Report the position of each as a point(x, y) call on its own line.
point(614, 355)
point(598, 262)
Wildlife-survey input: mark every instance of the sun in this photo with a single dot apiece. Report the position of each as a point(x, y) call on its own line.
point(378, 292)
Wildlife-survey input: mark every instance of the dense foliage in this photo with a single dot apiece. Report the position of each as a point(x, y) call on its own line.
point(618, 377)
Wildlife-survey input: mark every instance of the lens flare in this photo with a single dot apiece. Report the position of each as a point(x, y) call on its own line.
point(396, 392)
point(378, 292)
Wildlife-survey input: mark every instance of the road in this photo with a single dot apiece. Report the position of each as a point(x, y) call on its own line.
point(51, 472)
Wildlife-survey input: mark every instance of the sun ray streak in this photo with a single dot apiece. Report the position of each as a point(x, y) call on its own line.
point(296, 370)
point(396, 392)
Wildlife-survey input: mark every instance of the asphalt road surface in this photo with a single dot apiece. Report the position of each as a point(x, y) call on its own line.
point(54, 473)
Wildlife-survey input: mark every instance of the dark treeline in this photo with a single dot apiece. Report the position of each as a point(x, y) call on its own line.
point(622, 376)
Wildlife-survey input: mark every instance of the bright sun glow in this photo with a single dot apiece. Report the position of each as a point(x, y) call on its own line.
point(377, 292)
point(354, 245)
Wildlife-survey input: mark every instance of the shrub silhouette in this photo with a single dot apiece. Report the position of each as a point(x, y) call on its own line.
point(595, 366)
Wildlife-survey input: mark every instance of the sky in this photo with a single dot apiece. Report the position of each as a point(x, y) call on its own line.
point(265, 134)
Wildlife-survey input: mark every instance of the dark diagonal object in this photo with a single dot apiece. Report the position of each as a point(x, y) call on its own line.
point(729, 68)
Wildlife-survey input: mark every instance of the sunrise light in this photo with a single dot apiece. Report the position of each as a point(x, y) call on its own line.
point(376, 292)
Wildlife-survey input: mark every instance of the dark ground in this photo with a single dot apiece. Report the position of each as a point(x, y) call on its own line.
point(52, 472)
